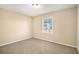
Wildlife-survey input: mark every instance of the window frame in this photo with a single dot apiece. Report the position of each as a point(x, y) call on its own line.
point(51, 24)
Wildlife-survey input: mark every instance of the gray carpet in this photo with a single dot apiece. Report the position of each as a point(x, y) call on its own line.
point(36, 46)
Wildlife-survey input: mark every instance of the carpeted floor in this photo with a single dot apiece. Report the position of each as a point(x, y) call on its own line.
point(36, 46)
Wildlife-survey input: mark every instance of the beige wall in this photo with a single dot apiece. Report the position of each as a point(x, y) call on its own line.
point(64, 27)
point(78, 28)
point(14, 27)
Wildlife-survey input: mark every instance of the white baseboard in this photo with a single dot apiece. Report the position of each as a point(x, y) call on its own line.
point(38, 37)
point(20, 39)
point(46, 39)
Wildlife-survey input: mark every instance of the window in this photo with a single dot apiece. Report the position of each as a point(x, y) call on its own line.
point(47, 23)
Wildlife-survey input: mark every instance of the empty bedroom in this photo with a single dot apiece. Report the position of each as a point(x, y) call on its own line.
point(39, 28)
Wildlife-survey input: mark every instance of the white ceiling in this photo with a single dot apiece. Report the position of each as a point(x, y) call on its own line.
point(27, 9)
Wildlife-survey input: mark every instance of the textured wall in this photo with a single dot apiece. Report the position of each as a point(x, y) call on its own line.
point(78, 28)
point(65, 28)
point(14, 27)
